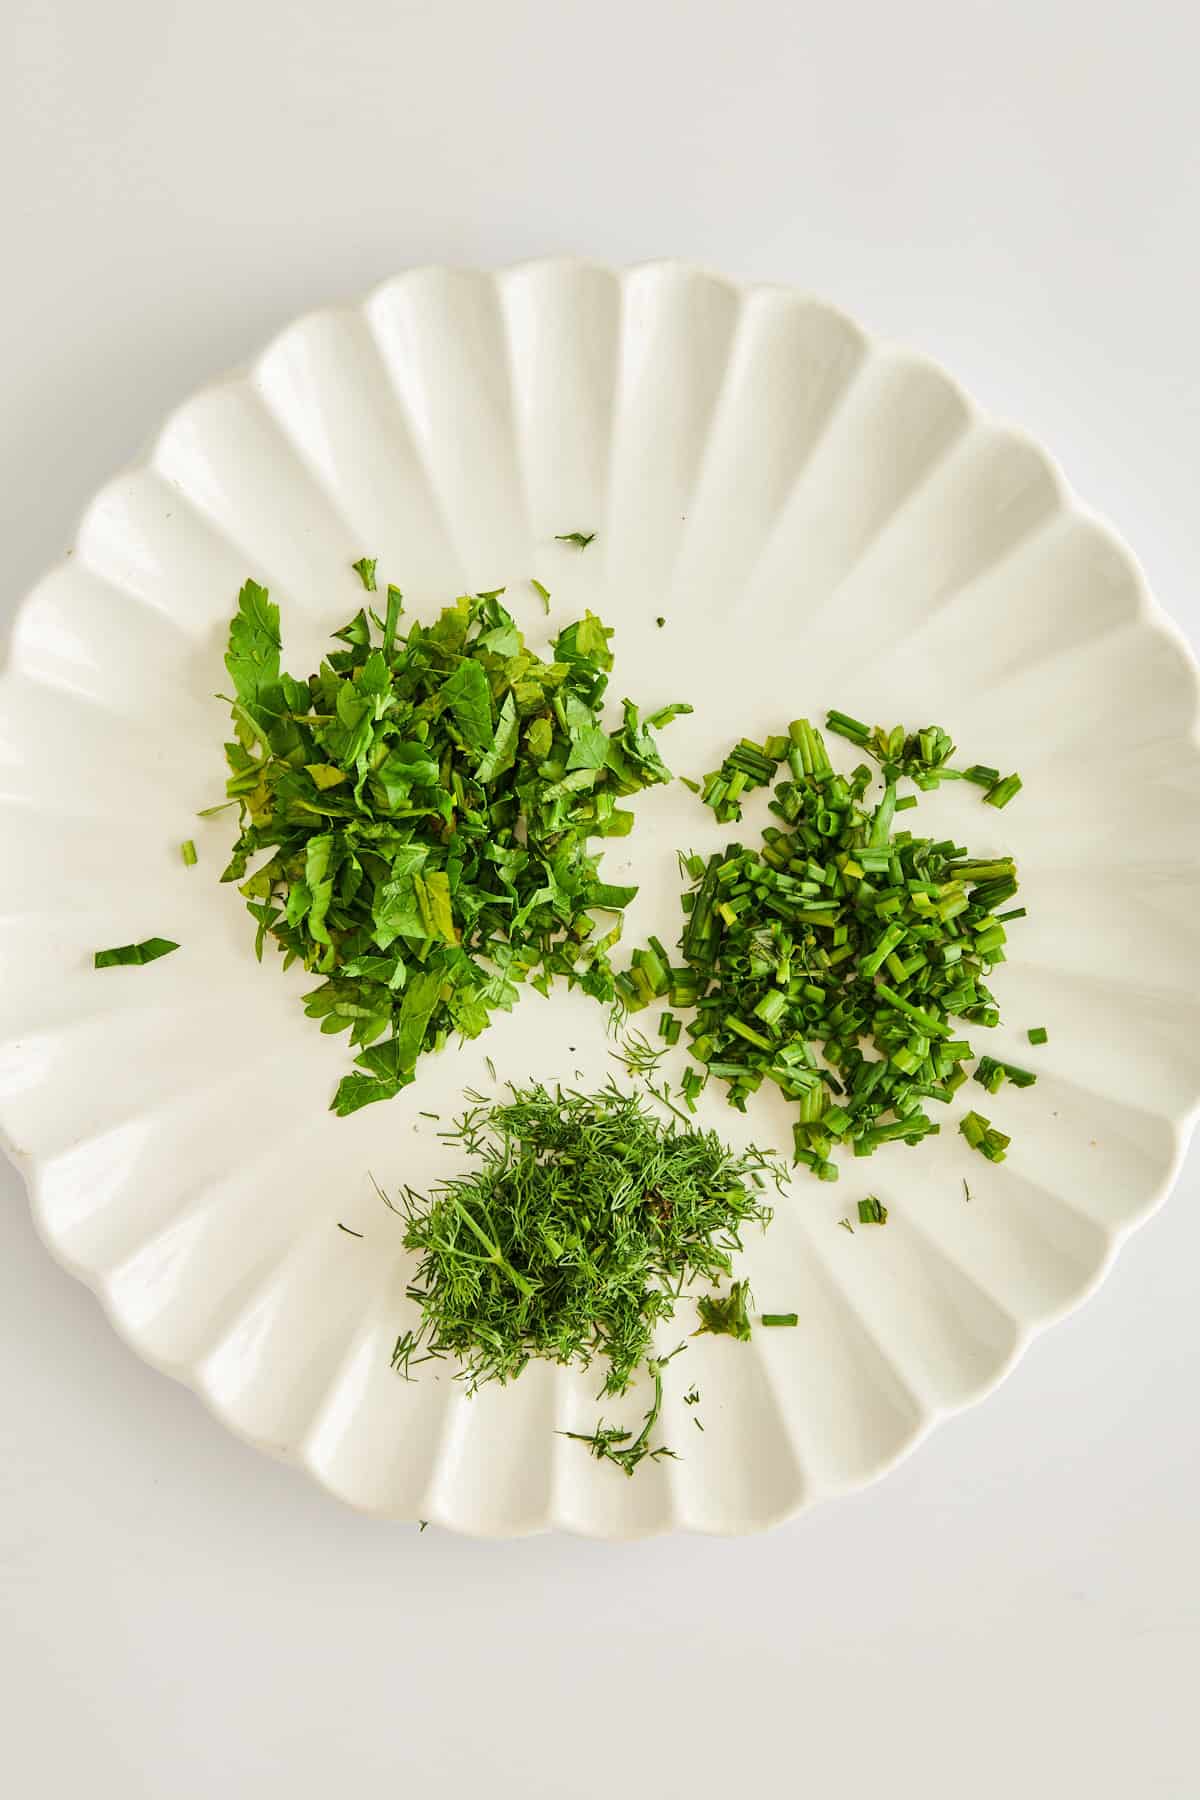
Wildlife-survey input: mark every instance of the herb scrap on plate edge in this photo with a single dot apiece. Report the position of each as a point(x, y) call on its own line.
point(428, 799)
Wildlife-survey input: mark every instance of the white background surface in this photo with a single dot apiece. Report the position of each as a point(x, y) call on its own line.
point(1010, 187)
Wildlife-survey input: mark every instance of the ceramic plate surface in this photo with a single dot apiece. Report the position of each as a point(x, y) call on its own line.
point(823, 521)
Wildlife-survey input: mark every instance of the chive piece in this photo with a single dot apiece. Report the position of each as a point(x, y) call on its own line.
point(903, 804)
point(1037, 1034)
point(1002, 791)
point(779, 1318)
point(542, 592)
point(983, 1136)
point(872, 1211)
point(365, 569)
point(188, 852)
point(582, 538)
point(132, 955)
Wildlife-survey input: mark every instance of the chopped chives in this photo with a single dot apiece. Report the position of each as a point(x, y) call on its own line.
point(1037, 1034)
point(779, 1318)
point(188, 852)
point(840, 959)
point(872, 1211)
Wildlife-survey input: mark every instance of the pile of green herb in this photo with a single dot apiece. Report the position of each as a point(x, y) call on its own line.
point(923, 756)
point(838, 930)
point(428, 799)
point(571, 1237)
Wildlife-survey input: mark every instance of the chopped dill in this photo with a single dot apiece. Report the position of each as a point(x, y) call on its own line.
point(637, 1054)
point(609, 1443)
point(571, 1236)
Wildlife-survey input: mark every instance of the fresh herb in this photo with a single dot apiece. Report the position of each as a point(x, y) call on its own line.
point(846, 1226)
point(1037, 1034)
point(727, 1316)
point(148, 951)
point(966, 1190)
point(923, 756)
point(692, 1397)
point(983, 1136)
point(424, 1524)
point(188, 852)
point(992, 1074)
point(1001, 792)
point(365, 567)
point(428, 800)
point(348, 1231)
point(571, 1237)
point(779, 1318)
point(637, 1054)
point(582, 538)
point(660, 621)
point(542, 592)
point(872, 1211)
point(839, 933)
point(490, 1066)
point(610, 1443)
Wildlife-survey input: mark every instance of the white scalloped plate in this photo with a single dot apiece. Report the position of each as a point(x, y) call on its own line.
point(823, 520)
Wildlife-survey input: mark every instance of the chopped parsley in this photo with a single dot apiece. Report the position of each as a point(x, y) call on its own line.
point(428, 800)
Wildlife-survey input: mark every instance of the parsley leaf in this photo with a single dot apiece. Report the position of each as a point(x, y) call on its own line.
point(148, 951)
